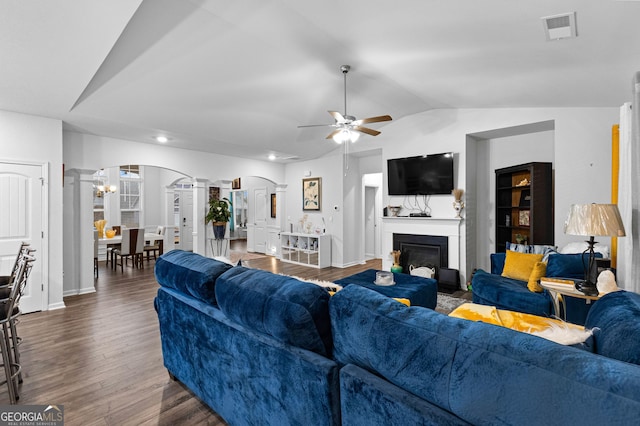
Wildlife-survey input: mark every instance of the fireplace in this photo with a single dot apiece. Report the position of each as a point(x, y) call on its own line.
point(422, 250)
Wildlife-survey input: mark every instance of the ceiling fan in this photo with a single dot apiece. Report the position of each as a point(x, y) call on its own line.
point(347, 128)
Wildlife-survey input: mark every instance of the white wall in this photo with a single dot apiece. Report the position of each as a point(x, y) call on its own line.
point(330, 170)
point(582, 152)
point(95, 152)
point(39, 140)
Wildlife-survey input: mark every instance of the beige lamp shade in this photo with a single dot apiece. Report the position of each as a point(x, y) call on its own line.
point(594, 219)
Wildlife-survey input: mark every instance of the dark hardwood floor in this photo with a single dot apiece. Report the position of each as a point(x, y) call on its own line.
point(100, 357)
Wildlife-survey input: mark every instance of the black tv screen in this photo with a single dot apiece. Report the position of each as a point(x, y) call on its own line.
point(421, 175)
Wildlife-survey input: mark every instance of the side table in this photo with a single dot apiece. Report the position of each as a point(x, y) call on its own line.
point(420, 291)
point(566, 287)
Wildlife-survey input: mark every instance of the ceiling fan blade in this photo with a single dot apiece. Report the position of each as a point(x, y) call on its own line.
point(332, 134)
point(366, 130)
point(372, 120)
point(338, 117)
point(316, 125)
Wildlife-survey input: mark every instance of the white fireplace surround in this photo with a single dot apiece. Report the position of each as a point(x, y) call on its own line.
point(444, 227)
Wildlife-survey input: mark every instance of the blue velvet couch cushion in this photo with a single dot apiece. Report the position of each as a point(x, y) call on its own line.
point(481, 373)
point(615, 320)
point(292, 311)
point(510, 294)
point(190, 273)
point(392, 405)
point(567, 265)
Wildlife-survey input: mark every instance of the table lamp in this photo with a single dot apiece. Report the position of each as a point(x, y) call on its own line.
point(591, 220)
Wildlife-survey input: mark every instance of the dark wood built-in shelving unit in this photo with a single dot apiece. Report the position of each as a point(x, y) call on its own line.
point(524, 209)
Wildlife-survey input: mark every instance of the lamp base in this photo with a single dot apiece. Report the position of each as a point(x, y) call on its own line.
point(587, 287)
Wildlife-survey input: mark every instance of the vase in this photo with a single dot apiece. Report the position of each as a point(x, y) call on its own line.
point(219, 229)
point(396, 268)
point(458, 206)
point(100, 224)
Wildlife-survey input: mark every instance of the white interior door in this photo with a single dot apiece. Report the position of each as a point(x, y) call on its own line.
point(370, 222)
point(21, 190)
point(186, 220)
point(260, 219)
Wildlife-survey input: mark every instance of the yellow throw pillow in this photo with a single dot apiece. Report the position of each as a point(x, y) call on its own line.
point(519, 265)
point(539, 269)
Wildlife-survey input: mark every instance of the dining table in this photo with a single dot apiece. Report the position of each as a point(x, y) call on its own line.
point(148, 236)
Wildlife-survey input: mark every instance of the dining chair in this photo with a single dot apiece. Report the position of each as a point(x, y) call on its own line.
point(126, 249)
point(111, 247)
point(154, 249)
point(139, 249)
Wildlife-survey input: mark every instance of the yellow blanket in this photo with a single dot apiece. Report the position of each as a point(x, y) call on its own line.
point(525, 323)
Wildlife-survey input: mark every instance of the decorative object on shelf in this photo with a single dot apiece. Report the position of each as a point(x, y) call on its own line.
point(302, 222)
point(311, 193)
point(525, 199)
point(219, 214)
point(396, 261)
point(394, 210)
point(590, 220)
point(100, 224)
point(110, 233)
point(523, 182)
point(507, 220)
point(523, 218)
point(520, 239)
point(458, 204)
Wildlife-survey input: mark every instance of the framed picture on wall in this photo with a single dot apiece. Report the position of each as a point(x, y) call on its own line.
point(235, 184)
point(273, 205)
point(311, 193)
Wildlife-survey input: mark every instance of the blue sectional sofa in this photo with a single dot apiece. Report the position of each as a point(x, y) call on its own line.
point(254, 346)
point(417, 366)
point(260, 348)
point(511, 294)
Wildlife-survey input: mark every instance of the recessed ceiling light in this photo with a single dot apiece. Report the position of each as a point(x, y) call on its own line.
point(272, 157)
point(162, 139)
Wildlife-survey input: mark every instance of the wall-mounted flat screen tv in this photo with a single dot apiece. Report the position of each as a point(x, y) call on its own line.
point(421, 175)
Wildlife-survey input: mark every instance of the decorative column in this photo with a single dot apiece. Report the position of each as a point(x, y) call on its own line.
point(78, 272)
point(200, 205)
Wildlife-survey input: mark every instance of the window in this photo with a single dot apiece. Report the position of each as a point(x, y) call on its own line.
point(98, 196)
point(131, 184)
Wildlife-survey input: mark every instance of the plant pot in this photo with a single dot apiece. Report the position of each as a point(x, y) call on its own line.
point(219, 229)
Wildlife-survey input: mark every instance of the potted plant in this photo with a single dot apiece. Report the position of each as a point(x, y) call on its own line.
point(219, 213)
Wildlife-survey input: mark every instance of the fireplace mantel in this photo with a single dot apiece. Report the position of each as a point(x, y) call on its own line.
point(449, 227)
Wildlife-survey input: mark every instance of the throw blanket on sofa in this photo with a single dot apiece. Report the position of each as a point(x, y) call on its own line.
point(548, 328)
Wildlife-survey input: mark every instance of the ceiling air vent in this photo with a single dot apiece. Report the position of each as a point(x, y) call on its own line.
point(558, 27)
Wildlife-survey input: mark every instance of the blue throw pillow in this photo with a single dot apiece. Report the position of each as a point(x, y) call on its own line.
point(568, 265)
point(542, 249)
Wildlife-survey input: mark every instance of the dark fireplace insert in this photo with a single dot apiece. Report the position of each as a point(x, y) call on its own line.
point(422, 250)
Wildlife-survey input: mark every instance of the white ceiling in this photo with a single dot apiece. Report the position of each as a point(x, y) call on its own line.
point(237, 78)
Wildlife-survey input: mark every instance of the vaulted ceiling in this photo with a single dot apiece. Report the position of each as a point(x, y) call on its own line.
point(238, 77)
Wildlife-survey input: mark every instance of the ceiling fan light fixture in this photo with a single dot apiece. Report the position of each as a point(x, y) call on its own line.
point(346, 135)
